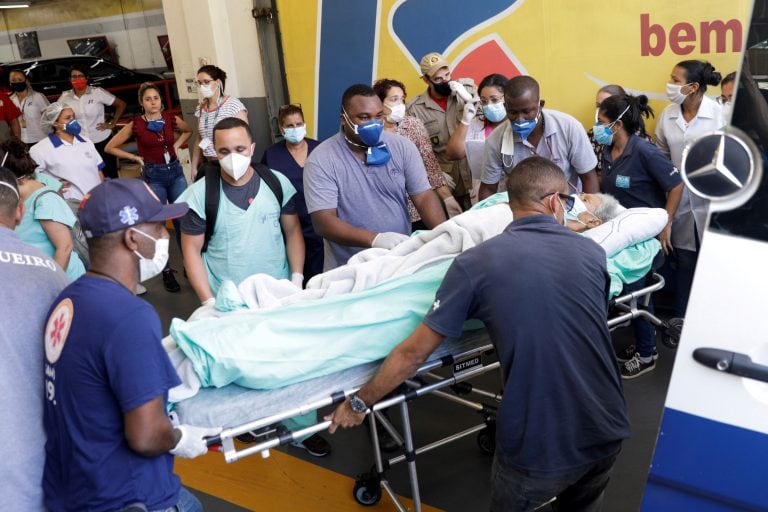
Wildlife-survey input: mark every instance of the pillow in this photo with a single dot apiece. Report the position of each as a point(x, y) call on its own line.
point(628, 228)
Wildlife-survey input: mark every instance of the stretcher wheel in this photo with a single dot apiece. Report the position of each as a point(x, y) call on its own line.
point(670, 336)
point(367, 492)
point(486, 439)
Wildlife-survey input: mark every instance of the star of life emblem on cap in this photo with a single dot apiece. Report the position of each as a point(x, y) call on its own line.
point(129, 215)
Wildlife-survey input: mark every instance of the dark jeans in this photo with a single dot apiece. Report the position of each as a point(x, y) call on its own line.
point(516, 491)
point(110, 161)
point(167, 181)
point(645, 332)
point(313, 257)
point(685, 266)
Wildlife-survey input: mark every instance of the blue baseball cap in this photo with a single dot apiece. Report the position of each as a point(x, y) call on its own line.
point(121, 203)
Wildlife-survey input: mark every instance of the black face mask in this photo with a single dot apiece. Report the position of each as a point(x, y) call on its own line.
point(18, 86)
point(443, 89)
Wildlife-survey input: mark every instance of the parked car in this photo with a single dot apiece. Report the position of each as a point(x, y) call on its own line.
point(50, 76)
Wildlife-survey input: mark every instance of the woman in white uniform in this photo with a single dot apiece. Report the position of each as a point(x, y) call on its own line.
point(88, 102)
point(31, 104)
point(690, 115)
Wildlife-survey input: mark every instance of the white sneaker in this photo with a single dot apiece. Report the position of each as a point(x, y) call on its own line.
point(140, 289)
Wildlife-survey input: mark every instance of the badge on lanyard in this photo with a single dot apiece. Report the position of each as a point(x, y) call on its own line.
point(167, 156)
point(205, 143)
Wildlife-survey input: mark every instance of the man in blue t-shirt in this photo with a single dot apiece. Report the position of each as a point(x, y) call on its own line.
point(563, 415)
point(110, 443)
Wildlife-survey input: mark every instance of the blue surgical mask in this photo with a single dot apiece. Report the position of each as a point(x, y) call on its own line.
point(295, 135)
point(494, 112)
point(377, 155)
point(524, 128)
point(603, 134)
point(72, 127)
point(369, 132)
point(156, 125)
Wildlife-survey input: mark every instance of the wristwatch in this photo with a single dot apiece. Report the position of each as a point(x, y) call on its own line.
point(357, 405)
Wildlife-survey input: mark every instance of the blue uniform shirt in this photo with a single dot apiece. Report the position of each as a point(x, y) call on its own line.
point(103, 357)
point(563, 405)
point(641, 176)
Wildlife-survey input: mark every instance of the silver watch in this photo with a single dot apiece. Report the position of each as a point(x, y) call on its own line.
point(357, 405)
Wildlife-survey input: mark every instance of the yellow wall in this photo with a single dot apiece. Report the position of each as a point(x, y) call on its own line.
point(53, 12)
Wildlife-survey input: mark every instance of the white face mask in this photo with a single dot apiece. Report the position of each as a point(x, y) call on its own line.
point(674, 93)
point(150, 267)
point(207, 91)
point(235, 164)
point(397, 113)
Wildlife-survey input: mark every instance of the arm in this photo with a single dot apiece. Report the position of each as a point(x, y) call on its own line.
point(119, 110)
point(328, 225)
point(401, 363)
point(15, 127)
point(455, 149)
point(196, 155)
point(148, 430)
point(673, 201)
point(429, 208)
point(589, 183)
point(61, 238)
point(185, 133)
point(191, 245)
point(120, 138)
point(487, 190)
point(294, 242)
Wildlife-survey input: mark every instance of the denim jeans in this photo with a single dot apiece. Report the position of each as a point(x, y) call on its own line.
point(167, 181)
point(645, 332)
point(514, 490)
point(187, 503)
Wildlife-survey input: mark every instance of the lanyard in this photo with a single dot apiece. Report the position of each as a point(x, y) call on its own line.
point(207, 113)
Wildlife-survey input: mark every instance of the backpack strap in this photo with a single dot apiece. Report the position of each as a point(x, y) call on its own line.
point(212, 198)
point(268, 177)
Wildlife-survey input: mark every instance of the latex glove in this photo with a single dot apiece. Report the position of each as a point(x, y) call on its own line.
point(388, 240)
point(192, 442)
point(460, 91)
point(297, 278)
point(449, 181)
point(452, 206)
point(470, 109)
point(205, 310)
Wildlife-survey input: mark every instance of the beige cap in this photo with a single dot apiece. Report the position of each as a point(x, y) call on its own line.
point(432, 62)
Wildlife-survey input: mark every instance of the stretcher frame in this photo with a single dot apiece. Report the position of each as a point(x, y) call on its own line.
point(368, 487)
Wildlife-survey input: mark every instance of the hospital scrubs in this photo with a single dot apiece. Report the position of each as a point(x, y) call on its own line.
point(44, 204)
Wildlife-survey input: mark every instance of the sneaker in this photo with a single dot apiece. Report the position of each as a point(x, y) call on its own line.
point(140, 289)
point(635, 367)
point(629, 352)
point(315, 445)
point(169, 281)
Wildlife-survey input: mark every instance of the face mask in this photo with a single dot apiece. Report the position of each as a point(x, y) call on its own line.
point(524, 128)
point(443, 89)
point(369, 132)
point(207, 91)
point(377, 155)
point(397, 113)
point(675, 94)
point(494, 112)
point(727, 110)
point(235, 164)
point(79, 83)
point(72, 127)
point(149, 268)
point(295, 135)
point(18, 86)
point(156, 125)
point(578, 208)
point(603, 134)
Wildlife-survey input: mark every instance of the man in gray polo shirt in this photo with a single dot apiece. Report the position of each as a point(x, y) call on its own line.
point(356, 183)
point(32, 281)
point(531, 130)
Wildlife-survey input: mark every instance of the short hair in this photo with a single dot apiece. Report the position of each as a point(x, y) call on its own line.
point(493, 80)
point(730, 77)
point(533, 178)
point(17, 160)
point(383, 86)
point(9, 200)
point(608, 208)
point(356, 90)
point(147, 86)
point(612, 90)
point(20, 71)
point(288, 110)
point(229, 123)
point(700, 72)
point(520, 85)
point(214, 72)
point(78, 67)
point(104, 244)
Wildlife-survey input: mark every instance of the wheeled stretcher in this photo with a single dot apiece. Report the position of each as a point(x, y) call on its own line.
point(243, 410)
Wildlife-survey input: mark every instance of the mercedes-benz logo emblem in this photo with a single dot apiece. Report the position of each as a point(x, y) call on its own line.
point(721, 167)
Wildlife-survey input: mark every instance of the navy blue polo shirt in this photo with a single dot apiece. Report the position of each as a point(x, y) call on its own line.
point(641, 176)
point(563, 406)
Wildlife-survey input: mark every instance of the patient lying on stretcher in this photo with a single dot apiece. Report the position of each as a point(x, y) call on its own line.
point(270, 334)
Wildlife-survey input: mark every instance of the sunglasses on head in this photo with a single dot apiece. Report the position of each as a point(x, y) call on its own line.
point(568, 201)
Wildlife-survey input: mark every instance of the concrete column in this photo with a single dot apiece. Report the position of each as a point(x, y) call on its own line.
point(225, 34)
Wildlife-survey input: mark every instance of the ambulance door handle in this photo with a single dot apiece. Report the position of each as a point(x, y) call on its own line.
point(731, 362)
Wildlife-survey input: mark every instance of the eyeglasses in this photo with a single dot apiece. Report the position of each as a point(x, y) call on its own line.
point(568, 201)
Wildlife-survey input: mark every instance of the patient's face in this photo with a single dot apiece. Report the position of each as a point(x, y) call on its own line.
point(587, 219)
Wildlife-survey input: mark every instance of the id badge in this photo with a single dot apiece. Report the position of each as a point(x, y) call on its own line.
point(23, 122)
point(167, 157)
point(622, 181)
point(205, 143)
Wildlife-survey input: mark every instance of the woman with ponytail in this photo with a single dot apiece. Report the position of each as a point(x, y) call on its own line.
point(690, 115)
point(638, 174)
